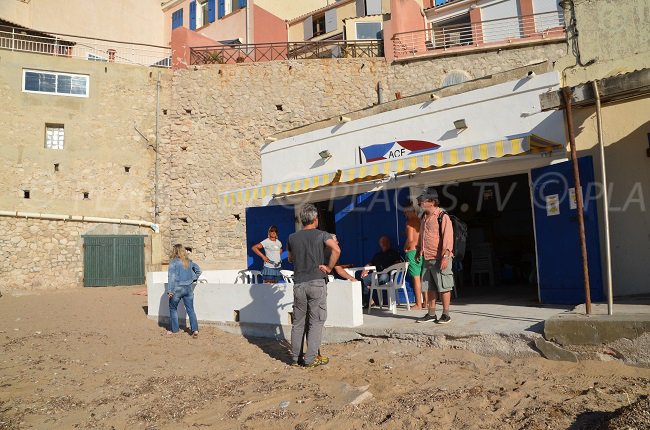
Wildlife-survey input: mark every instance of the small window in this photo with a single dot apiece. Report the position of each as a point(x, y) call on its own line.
point(64, 84)
point(177, 18)
point(369, 30)
point(86, 195)
point(54, 136)
point(26, 194)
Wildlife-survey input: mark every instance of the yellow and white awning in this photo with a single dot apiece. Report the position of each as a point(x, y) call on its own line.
point(416, 163)
point(246, 195)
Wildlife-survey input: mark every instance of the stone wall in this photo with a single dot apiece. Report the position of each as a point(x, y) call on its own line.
point(220, 115)
point(41, 254)
point(112, 128)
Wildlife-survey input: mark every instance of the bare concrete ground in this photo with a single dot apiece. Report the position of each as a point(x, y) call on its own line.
point(90, 359)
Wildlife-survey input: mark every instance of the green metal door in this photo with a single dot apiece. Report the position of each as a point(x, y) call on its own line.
point(113, 260)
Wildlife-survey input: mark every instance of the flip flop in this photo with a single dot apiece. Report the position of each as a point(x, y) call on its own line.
point(195, 334)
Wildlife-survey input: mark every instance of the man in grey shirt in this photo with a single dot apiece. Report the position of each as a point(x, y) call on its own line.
point(306, 252)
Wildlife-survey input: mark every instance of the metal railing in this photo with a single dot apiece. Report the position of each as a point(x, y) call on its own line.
point(25, 40)
point(231, 54)
point(441, 38)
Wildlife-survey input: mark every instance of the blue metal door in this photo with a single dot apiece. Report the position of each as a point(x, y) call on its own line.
point(556, 229)
point(362, 219)
point(258, 221)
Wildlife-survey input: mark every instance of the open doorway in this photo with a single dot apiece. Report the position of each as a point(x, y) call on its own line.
point(500, 257)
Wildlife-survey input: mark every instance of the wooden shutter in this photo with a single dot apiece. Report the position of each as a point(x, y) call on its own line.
point(330, 20)
point(373, 7)
point(308, 26)
point(211, 10)
point(193, 15)
point(221, 9)
point(361, 7)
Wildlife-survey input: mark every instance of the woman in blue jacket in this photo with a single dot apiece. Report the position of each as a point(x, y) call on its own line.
point(181, 277)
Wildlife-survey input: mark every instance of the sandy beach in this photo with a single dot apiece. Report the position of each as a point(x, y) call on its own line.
point(90, 359)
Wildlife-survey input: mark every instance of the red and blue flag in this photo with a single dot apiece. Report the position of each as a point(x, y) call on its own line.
point(397, 149)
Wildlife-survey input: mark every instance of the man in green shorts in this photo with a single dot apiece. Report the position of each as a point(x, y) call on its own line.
point(410, 249)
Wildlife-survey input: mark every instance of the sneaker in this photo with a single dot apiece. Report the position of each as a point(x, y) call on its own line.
point(427, 318)
point(444, 319)
point(322, 360)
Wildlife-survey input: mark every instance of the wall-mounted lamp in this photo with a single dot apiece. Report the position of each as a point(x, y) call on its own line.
point(345, 119)
point(460, 124)
point(434, 96)
point(325, 154)
point(530, 74)
point(271, 139)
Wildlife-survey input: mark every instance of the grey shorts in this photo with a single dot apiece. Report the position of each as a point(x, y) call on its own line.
point(435, 280)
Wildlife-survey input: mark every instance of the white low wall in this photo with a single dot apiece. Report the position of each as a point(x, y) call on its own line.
point(220, 298)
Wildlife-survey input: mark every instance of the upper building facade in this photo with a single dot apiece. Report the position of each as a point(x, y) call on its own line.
point(134, 21)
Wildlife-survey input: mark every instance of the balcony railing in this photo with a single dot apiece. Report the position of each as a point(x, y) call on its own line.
point(231, 54)
point(497, 32)
point(25, 40)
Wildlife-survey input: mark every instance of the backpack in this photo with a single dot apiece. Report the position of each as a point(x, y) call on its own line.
point(460, 234)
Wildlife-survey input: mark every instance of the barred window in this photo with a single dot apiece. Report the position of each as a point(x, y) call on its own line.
point(54, 136)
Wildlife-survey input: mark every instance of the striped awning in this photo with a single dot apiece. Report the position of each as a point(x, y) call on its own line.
point(377, 170)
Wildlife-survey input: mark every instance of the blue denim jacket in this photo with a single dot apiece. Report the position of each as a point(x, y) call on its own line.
point(178, 276)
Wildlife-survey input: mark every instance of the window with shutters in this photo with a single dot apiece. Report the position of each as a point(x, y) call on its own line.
point(202, 14)
point(177, 18)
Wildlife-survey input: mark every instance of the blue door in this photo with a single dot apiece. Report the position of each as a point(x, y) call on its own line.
point(362, 219)
point(258, 221)
point(556, 229)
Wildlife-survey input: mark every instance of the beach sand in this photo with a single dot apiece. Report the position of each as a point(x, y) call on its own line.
point(90, 359)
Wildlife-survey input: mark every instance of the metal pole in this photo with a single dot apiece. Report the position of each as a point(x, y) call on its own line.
point(603, 172)
point(155, 192)
point(566, 96)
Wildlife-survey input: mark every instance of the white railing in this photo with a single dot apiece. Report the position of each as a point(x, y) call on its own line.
point(23, 40)
point(440, 38)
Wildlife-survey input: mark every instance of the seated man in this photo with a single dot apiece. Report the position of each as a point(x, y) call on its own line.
point(385, 258)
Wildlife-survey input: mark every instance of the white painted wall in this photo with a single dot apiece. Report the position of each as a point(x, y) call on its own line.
point(263, 303)
point(492, 113)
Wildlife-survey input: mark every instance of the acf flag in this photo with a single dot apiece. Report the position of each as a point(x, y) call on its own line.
point(397, 149)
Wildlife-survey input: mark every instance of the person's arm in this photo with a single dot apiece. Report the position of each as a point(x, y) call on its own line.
point(197, 270)
point(257, 250)
point(289, 253)
point(171, 279)
point(334, 256)
point(418, 248)
point(447, 239)
point(343, 273)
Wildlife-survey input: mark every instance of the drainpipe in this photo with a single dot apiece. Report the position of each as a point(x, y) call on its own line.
point(79, 218)
point(566, 95)
point(380, 93)
point(603, 172)
point(247, 25)
point(155, 185)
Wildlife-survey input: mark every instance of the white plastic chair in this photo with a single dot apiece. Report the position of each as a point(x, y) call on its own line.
point(352, 271)
point(396, 281)
point(249, 277)
point(482, 263)
point(287, 275)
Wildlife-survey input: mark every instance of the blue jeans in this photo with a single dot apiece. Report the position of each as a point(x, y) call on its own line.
point(186, 293)
point(365, 286)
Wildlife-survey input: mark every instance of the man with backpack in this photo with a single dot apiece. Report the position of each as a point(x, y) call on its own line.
point(435, 247)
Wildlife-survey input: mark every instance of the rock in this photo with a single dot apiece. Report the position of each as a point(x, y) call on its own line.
point(553, 352)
